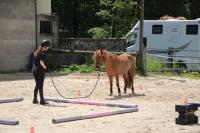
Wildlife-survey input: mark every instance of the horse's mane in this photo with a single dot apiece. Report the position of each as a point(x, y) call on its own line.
point(100, 51)
point(106, 52)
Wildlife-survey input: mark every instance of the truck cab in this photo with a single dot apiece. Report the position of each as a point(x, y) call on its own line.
point(132, 39)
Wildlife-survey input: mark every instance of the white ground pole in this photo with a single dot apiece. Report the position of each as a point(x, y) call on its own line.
point(87, 102)
point(128, 108)
point(195, 103)
point(9, 122)
point(9, 100)
point(94, 115)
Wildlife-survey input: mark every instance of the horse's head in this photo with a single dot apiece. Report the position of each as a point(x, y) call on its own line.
point(99, 58)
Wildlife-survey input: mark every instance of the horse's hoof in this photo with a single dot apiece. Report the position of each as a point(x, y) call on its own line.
point(124, 92)
point(119, 95)
point(110, 94)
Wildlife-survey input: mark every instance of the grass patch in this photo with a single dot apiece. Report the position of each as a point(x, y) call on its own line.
point(84, 68)
point(184, 74)
point(154, 63)
point(192, 75)
point(155, 66)
point(13, 71)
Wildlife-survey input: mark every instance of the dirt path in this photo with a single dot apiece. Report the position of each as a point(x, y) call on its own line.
point(155, 96)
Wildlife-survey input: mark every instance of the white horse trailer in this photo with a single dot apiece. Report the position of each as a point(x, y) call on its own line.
point(161, 35)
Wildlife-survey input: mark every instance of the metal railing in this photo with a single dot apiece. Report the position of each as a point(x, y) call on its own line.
point(172, 60)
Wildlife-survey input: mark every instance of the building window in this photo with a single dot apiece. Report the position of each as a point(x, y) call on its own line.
point(192, 29)
point(157, 29)
point(45, 27)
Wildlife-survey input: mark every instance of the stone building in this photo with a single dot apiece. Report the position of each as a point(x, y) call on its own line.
point(23, 24)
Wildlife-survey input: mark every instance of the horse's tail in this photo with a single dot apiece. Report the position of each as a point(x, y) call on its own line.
point(131, 72)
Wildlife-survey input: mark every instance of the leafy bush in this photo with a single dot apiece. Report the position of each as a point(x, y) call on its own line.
point(74, 67)
point(84, 68)
point(98, 32)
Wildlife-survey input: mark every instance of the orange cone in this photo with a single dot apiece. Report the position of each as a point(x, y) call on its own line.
point(186, 100)
point(79, 92)
point(32, 130)
point(141, 87)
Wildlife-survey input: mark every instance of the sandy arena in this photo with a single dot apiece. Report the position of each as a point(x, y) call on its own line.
point(155, 96)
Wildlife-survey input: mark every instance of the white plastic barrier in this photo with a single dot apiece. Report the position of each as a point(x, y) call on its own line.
point(128, 108)
point(94, 115)
point(195, 103)
point(8, 100)
point(87, 102)
point(9, 122)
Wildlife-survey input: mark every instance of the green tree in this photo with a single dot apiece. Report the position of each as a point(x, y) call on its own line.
point(98, 32)
point(77, 16)
point(194, 8)
point(63, 8)
point(117, 15)
point(154, 9)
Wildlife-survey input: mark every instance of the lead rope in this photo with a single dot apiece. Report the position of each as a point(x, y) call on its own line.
point(75, 97)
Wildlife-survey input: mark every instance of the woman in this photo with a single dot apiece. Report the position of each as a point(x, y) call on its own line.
point(39, 70)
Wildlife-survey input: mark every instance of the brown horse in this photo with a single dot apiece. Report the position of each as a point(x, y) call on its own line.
point(116, 65)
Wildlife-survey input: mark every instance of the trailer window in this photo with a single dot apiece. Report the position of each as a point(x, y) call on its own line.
point(192, 29)
point(157, 29)
point(131, 39)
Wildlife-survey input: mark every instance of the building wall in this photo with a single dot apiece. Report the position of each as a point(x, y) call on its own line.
point(44, 7)
point(52, 37)
point(17, 33)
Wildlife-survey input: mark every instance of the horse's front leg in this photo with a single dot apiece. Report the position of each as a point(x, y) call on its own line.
point(111, 85)
point(117, 83)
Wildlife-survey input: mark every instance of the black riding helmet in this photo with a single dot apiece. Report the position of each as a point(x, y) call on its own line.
point(44, 43)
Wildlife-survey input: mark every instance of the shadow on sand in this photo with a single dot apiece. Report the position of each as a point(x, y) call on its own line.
point(54, 105)
point(125, 96)
point(25, 76)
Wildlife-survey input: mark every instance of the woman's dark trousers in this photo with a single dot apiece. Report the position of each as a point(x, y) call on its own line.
point(39, 80)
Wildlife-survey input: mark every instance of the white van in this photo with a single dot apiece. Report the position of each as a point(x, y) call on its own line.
point(160, 35)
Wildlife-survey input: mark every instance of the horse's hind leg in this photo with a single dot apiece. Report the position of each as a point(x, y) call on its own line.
point(111, 85)
point(125, 82)
point(117, 83)
point(132, 87)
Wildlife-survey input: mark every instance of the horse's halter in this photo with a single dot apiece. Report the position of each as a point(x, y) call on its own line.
point(99, 60)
